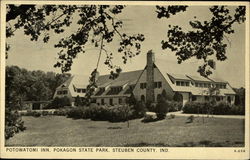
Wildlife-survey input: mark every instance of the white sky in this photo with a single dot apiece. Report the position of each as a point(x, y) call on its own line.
point(137, 19)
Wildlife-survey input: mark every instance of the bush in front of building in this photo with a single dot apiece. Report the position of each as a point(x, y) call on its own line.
point(59, 103)
point(76, 113)
point(161, 108)
point(119, 113)
point(174, 106)
point(220, 108)
point(139, 109)
point(238, 110)
point(195, 107)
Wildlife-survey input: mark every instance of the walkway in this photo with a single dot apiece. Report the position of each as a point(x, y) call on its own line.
point(179, 113)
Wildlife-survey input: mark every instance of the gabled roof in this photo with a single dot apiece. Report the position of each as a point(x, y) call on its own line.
point(217, 80)
point(190, 89)
point(198, 78)
point(124, 78)
point(130, 77)
point(178, 76)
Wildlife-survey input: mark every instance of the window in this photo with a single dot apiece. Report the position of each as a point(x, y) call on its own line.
point(142, 98)
point(159, 97)
point(59, 92)
point(182, 84)
point(159, 85)
point(194, 98)
point(120, 100)
point(102, 101)
point(65, 92)
point(111, 101)
point(187, 83)
point(143, 85)
point(217, 86)
point(83, 90)
point(218, 98)
point(155, 84)
point(78, 90)
point(196, 84)
point(178, 83)
point(224, 86)
point(206, 98)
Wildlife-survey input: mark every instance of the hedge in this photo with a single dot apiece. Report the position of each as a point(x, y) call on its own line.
point(220, 108)
point(103, 113)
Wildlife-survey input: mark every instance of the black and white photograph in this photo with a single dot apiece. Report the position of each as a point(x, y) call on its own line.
point(124, 77)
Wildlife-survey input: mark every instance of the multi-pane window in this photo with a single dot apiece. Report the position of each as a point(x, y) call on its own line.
point(102, 101)
point(178, 83)
point(120, 100)
point(80, 90)
point(157, 84)
point(62, 92)
point(143, 85)
point(111, 101)
point(182, 83)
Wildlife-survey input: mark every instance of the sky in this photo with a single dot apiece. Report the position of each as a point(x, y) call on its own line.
point(137, 19)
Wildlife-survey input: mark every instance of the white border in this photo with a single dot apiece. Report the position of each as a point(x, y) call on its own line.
point(174, 152)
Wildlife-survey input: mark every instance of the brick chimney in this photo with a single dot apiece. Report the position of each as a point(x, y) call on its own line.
point(150, 77)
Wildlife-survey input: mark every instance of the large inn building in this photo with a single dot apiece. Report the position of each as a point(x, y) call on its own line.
point(147, 85)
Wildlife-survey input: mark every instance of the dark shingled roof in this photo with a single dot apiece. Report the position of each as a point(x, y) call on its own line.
point(130, 77)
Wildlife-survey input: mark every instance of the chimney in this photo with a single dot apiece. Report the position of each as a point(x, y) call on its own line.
point(150, 77)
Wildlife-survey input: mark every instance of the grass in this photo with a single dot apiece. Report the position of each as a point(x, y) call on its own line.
point(62, 131)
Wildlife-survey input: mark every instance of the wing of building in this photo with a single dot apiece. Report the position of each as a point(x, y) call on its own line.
point(147, 84)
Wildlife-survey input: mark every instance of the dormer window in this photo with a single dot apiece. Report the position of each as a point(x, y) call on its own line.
point(81, 90)
point(114, 90)
point(182, 83)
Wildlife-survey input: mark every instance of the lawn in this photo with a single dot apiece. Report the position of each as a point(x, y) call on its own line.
point(62, 131)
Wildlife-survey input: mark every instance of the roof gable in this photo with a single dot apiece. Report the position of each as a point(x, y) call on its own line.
point(124, 78)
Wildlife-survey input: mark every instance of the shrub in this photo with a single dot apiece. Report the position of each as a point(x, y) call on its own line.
point(120, 113)
point(13, 123)
point(140, 109)
point(59, 103)
point(60, 112)
point(45, 113)
point(196, 107)
point(161, 109)
point(174, 106)
point(238, 110)
point(75, 113)
point(36, 114)
point(220, 108)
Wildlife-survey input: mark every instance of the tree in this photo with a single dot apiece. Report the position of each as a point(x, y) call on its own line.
point(97, 23)
point(161, 107)
point(206, 39)
point(240, 96)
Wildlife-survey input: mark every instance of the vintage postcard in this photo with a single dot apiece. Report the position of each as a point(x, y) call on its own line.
point(124, 80)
